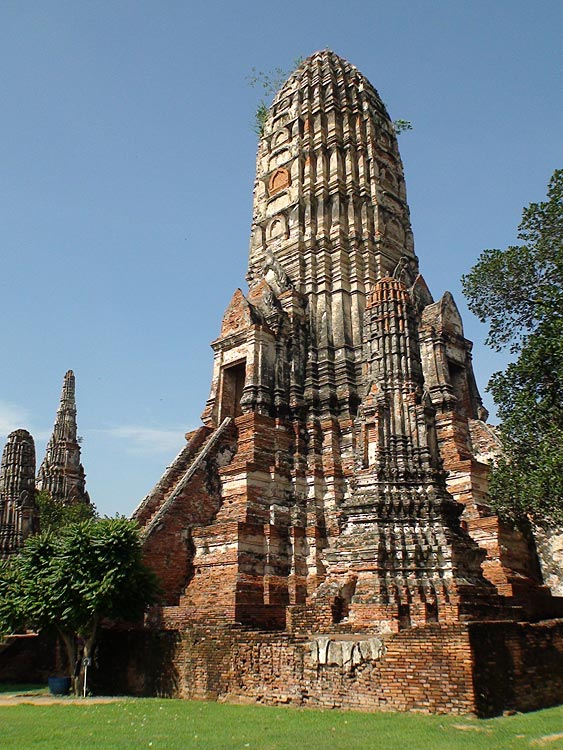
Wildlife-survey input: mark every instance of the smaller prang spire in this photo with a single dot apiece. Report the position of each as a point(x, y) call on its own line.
point(18, 513)
point(61, 474)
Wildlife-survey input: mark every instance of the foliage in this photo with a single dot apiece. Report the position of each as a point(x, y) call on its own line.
point(269, 82)
point(11, 611)
point(179, 724)
point(519, 292)
point(55, 515)
point(401, 126)
point(70, 581)
point(260, 117)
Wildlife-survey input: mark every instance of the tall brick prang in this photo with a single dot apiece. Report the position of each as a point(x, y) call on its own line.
point(335, 491)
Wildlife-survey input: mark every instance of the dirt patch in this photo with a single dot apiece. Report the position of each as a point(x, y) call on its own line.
point(546, 739)
point(471, 728)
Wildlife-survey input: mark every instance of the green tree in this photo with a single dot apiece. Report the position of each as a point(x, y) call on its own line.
point(55, 515)
point(519, 293)
point(71, 580)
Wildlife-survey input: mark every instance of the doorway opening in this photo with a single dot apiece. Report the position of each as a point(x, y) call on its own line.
point(233, 378)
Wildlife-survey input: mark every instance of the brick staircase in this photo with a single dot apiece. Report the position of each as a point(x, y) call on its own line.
point(158, 502)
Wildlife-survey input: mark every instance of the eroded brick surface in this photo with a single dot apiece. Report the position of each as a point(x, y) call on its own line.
point(485, 668)
point(18, 513)
point(343, 438)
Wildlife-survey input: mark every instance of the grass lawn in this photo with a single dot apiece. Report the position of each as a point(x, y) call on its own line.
point(174, 725)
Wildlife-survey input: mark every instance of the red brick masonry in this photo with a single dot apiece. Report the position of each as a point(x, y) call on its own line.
point(484, 668)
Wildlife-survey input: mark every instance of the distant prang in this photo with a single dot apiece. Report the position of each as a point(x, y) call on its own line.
point(61, 474)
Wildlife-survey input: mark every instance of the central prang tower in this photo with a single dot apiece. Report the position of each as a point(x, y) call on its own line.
point(330, 215)
point(314, 497)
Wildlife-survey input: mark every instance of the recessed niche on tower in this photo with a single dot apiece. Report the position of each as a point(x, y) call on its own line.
point(277, 228)
point(279, 180)
point(282, 105)
point(280, 138)
point(232, 384)
point(458, 381)
point(395, 231)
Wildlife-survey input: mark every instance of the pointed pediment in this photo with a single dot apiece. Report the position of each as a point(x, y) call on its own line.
point(239, 314)
point(421, 293)
point(444, 315)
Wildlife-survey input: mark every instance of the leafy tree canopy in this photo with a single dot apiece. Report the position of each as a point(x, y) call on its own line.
point(519, 293)
point(55, 515)
point(71, 580)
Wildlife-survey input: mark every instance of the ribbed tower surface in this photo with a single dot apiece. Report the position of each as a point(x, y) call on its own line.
point(18, 517)
point(330, 206)
point(329, 178)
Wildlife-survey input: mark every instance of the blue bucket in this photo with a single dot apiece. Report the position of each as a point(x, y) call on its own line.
point(59, 685)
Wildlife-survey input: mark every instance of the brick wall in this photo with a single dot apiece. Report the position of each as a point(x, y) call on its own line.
point(518, 666)
point(484, 668)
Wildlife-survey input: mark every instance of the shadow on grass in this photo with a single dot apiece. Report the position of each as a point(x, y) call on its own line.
point(16, 688)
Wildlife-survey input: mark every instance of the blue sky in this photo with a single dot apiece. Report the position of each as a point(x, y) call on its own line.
point(127, 164)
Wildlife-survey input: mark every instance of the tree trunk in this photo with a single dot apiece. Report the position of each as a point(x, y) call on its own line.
point(69, 641)
point(87, 651)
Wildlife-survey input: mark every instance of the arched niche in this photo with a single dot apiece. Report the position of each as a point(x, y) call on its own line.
point(279, 180)
point(281, 137)
point(283, 105)
point(277, 227)
point(388, 179)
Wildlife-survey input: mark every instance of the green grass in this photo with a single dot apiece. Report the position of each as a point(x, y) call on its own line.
point(174, 725)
